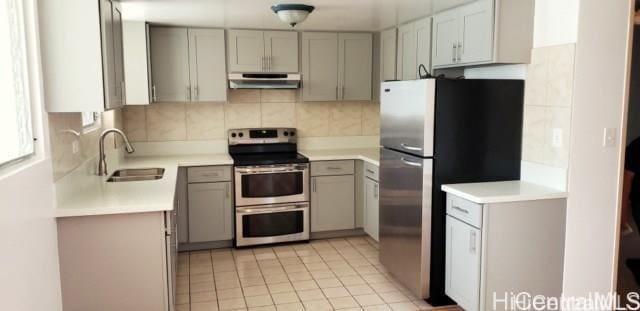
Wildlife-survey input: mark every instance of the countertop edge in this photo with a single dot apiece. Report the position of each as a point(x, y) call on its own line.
point(551, 195)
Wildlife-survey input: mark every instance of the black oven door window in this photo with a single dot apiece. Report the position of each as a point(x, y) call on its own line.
point(272, 185)
point(272, 224)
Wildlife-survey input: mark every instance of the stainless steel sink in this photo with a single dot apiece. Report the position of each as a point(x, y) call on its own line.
point(136, 174)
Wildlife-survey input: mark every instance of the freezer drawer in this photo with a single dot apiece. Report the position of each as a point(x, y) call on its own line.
point(407, 116)
point(405, 218)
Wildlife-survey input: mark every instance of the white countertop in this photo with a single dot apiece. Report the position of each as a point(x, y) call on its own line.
point(503, 191)
point(371, 155)
point(88, 194)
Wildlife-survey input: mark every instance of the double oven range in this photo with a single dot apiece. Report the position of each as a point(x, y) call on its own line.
point(271, 186)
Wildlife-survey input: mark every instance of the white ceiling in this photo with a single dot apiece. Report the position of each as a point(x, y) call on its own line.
point(355, 15)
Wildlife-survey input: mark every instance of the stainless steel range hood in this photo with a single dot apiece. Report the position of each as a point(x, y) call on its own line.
point(264, 80)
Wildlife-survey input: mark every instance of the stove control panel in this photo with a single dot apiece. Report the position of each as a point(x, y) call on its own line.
point(250, 136)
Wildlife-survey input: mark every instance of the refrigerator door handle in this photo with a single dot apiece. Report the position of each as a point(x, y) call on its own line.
point(412, 148)
point(411, 163)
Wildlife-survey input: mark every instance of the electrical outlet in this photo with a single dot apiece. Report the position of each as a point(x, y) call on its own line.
point(610, 138)
point(75, 147)
point(556, 139)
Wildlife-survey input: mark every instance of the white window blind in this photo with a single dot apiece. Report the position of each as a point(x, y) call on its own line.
point(16, 132)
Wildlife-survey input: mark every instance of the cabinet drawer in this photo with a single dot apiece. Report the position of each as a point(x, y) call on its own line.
point(208, 174)
point(464, 210)
point(329, 168)
point(371, 171)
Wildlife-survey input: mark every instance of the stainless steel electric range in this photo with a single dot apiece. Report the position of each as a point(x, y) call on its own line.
point(271, 186)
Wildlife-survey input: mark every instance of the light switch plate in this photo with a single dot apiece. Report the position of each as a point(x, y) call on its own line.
point(75, 147)
point(610, 138)
point(556, 139)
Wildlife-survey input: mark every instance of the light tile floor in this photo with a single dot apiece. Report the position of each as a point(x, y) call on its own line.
point(335, 274)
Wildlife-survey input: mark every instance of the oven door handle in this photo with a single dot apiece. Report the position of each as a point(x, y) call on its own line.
point(270, 170)
point(269, 209)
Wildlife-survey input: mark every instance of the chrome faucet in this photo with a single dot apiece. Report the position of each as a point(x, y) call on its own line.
point(102, 163)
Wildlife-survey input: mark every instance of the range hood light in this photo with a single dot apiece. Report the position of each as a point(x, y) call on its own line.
point(292, 14)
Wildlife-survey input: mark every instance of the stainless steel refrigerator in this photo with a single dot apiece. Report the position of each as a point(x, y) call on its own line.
point(434, 132)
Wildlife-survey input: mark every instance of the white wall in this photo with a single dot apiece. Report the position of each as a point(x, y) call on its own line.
point(29, 262)
point(601, 79)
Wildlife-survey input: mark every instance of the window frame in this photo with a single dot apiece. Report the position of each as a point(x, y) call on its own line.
point(17, 23)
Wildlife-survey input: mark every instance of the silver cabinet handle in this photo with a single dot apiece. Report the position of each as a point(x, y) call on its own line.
point(370, 171)
point(462, 210)
point(375, 190)
point(154, 93)
point(197, 92)
point(334, 168)
point(459, 52)
point(408, 147)
point(410, 163)
point(337, 93)
point(342, 92)
point(454, 52)
point(188, 92)
point(472, 242)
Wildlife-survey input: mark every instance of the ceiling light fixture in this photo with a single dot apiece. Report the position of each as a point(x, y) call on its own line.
point(292, 14)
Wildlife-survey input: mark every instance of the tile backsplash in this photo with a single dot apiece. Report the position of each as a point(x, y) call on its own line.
point(67, 133)
point(548, 104)
point(251, 108)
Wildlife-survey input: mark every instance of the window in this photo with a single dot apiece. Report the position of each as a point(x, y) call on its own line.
point(90, 120)
point(16, 132)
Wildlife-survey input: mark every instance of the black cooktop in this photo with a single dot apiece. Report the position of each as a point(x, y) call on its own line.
point(268, 158)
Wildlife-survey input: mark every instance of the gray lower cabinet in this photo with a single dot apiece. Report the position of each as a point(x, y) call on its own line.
point(332, 201)
point(371, 208)
point(210, 212)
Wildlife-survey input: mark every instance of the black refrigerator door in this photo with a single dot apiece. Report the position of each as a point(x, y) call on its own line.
point(478, 138)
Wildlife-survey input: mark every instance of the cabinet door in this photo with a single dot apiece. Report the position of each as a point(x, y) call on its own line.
point(462, 267)
point(476, 32)
point(371, 208)
point(332, 203)
point(136, 65)
point(388, 49)
point(210, 212)
point(355, 61)
point(320, 66)
point(406, 52)
point(281, 51)
point(108, 57)
point(246, 51)
point(207, 65)
point(423, 44)
point(444, 38)
point(170, 64)
point(118, 54)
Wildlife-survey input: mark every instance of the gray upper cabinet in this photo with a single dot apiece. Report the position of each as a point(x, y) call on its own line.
point(210, 212)
point(483, 32)
point(187, 64)
point(263, 51)
point(336, 66)
point(281, 51)
point(476, 32)
point(445, 38)
point(319, 66)
point(354, 66)
point(388, 41)
point(414, 48)
point(406, 52)
point(82, 55)
point(246, 51)
point(118, 55)
point(170, 64)
point(207, 66)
